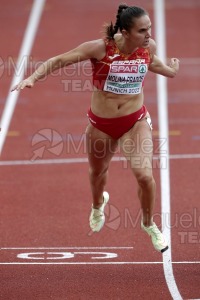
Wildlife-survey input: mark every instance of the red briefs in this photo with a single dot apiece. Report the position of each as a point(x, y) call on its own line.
point(116, 127)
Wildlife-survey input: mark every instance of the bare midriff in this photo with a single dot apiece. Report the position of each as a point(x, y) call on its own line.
point(109, 105)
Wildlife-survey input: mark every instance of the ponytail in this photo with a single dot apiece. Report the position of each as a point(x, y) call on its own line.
point(112, 30)
point(124, 19)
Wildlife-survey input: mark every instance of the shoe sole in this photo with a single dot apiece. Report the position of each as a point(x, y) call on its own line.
point(163, 250)
point(106, 197)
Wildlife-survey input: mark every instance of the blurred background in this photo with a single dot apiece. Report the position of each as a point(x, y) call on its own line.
point(48, 203)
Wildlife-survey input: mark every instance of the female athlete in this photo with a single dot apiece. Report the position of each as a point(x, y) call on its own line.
point(117, 115)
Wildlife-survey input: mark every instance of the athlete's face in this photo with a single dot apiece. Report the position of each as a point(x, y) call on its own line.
point(140, 33)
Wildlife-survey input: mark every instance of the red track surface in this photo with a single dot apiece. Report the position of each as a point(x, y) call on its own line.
point(47, 205)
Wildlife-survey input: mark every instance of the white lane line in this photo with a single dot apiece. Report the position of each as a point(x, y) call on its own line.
point(160, 31)
point(60, 248)
point(25, 50)
point(85, 160)
point(98, 263)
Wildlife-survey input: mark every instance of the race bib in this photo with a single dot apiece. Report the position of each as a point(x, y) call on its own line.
point(126, 77)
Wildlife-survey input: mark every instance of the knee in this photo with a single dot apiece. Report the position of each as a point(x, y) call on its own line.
point(145, 180)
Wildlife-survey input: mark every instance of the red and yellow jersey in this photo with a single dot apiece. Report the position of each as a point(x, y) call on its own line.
point(119, 73)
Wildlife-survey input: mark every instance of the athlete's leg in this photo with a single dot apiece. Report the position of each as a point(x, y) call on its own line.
point(100, 148)
point(137, 147)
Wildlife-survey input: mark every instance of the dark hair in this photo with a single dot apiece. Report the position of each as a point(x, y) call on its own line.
point(124, 19)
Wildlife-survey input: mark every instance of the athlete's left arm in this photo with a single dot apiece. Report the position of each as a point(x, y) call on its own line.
point(158, 67)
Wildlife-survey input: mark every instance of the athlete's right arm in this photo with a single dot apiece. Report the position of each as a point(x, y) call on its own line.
point(87, 50)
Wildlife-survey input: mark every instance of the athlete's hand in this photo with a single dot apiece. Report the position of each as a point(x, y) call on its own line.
point(174, 64)
point(29, 83)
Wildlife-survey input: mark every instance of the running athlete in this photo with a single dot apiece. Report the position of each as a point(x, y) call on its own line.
point(117, 115)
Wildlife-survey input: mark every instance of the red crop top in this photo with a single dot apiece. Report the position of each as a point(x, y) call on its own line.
point(119, 73)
